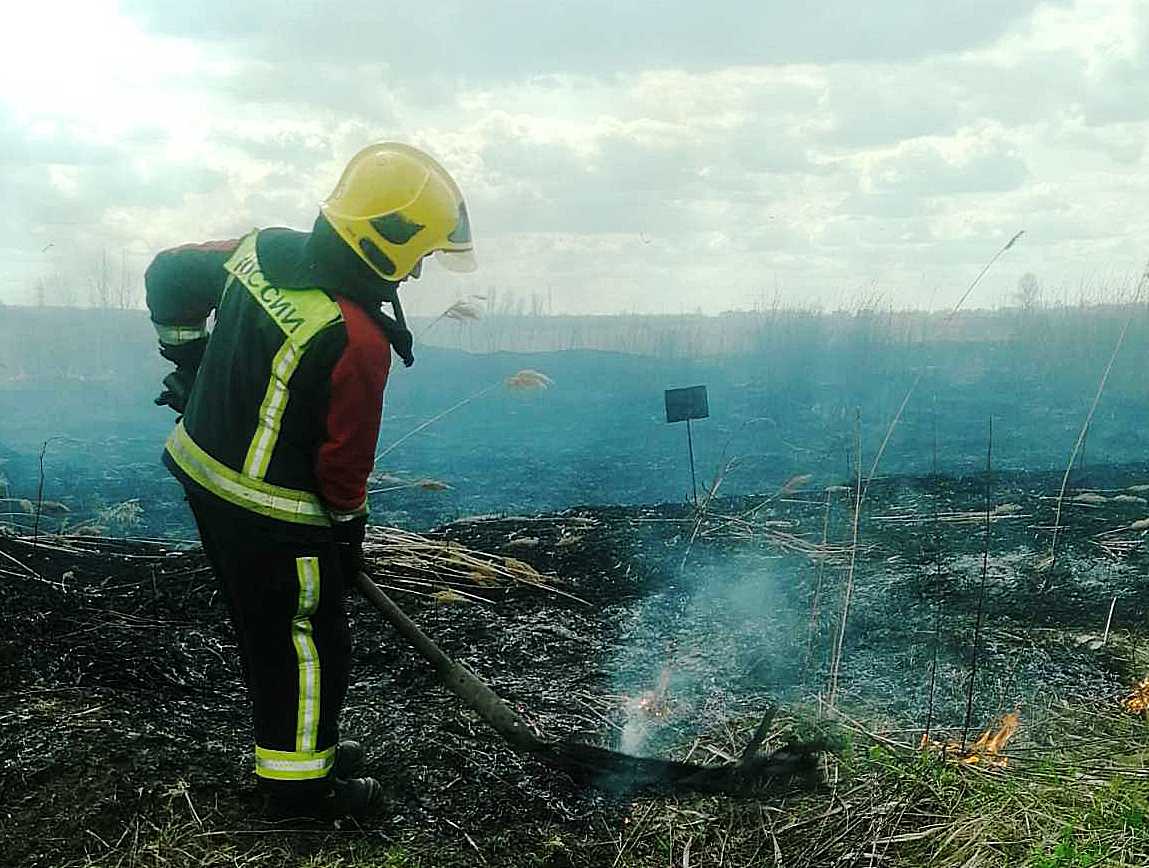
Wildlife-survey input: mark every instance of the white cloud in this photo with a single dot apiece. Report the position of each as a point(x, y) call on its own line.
point(638, 162)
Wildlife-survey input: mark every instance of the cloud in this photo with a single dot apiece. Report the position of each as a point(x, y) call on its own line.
point(622, 156)
point(512, 38)
point(986, 163)
point(324, 88)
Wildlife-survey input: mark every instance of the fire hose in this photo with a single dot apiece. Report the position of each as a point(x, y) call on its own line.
point(790, 766)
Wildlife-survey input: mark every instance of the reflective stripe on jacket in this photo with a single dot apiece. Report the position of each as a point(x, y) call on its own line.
point(285, 409)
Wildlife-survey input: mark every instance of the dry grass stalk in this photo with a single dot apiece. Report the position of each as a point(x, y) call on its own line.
point(528, 379)
point(424, 425)
point(939, 603)
point(791, 485)
point(981, 586)
point(775, 534)
point(1001, 512)
point(736, 527)
point(818, 577)
point(861, 493)
point(464, 310)
point(448, 597)
point(836, 659)
point(917, 380)
point(702, 508)
point(420, 564)
point(1051, 561)
point(406, 485)
point(524, 379)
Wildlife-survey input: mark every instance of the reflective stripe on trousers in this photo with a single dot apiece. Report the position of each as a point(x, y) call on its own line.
point(303, 763)
point(289, 765)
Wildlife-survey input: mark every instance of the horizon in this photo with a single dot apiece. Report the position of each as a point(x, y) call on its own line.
point(1089, 297)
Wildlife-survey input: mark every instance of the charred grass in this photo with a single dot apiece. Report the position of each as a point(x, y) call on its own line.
point(123, 725)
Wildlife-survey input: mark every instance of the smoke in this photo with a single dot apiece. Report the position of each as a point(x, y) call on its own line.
point(724, 637)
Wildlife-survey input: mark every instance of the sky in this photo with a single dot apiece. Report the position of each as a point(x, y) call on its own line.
point(662, 156)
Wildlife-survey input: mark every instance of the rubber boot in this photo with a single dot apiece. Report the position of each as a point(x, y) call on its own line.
point(353, 797)
point(331, 798)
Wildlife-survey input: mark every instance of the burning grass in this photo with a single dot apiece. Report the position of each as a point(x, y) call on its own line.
point(986, 750)
point(1137, 701)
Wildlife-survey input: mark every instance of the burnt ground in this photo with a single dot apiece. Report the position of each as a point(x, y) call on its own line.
point(123, 724)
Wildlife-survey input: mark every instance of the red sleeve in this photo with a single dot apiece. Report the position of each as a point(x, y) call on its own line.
point(347, 455)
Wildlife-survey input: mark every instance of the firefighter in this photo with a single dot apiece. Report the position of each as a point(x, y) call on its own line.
point(280, 409)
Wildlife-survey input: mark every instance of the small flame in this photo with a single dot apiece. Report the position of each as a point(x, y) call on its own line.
point(1137, 701)
point(991, 743)
point(653, 703)
point(642, 710)
point(985, 751)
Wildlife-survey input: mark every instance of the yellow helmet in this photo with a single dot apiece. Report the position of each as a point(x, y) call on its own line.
point(394, 204)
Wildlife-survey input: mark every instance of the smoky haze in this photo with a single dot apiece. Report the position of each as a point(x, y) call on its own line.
point(785, 388)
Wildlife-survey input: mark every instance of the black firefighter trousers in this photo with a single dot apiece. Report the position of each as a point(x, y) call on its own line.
point(285, 594)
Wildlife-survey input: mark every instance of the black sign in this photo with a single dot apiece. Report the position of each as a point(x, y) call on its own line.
point(683, 404)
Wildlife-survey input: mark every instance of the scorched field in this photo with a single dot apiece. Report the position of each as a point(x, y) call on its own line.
point(972, 682)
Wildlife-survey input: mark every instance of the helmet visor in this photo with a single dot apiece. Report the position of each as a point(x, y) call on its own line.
point(459, 261)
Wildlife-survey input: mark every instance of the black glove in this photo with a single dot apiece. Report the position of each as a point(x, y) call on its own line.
point(349, 546)
point(178, 384)
point(177, 387)
point(185, 355)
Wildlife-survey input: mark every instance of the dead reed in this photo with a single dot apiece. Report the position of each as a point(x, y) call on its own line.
point(524, 380)
point(1050, 562)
